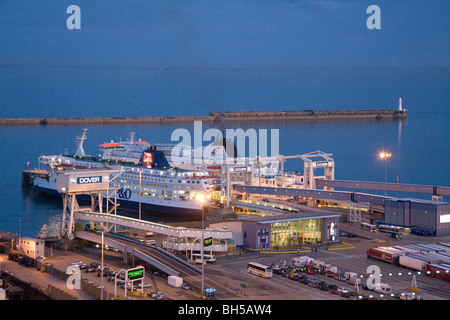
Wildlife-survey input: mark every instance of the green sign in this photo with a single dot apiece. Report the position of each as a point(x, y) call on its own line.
point(207, 242)
point(136, 273)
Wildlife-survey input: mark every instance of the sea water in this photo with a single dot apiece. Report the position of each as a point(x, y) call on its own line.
point(419, 145)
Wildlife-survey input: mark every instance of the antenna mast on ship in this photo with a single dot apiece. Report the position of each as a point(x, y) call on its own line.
point(80, 151)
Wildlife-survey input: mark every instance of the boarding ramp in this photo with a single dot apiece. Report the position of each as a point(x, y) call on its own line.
point(161, 259)
point(159, 228)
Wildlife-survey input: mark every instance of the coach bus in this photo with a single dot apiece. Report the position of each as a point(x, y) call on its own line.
point(259, 269)
point(368, 226)
point(390, 229)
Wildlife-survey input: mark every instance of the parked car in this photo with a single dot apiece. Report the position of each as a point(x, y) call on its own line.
point(294, 276)
point(310, 271)
point(354, 293)
point(340, 290)
point(345, 294)
point(365, 287)
point(277, 269)
point(332, 288)
point(145, 285)
point(323, 286)
point(313, 283)
point(185, 286)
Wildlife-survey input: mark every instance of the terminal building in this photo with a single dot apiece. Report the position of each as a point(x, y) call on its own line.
point(288, 231)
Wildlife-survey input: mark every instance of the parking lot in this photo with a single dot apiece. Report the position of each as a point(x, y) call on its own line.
point(230, 277)
point(352, 258)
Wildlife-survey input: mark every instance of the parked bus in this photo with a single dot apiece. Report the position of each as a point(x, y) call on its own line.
point(368, 226)
point(390, 229)
point(259, 269)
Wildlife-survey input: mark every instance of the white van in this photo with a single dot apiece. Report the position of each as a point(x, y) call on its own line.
point(351, 276)
point(301, 261)
point(318, 264)
point(382, 288)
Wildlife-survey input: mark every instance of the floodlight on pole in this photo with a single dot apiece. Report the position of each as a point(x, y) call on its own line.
point(384, 156)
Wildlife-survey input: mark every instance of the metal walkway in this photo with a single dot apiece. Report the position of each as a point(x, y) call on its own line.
point(414, 188)
point(167, 230)
point(261, 206)
point(316, 194)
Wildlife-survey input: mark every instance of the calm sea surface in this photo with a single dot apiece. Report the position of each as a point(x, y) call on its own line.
point(419, 145)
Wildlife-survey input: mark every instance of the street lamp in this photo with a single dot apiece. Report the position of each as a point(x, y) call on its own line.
point(103, 266)
point(201, 198)
point(384, 156)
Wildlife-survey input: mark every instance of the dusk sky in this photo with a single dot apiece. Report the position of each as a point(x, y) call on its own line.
point(232, 33)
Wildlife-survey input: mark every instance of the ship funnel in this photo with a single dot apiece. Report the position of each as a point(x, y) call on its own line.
point(152, 158)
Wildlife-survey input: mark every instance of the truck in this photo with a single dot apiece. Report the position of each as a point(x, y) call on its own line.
point(412, 263)
point(351, 277)
point(383, 254)
point(330, 271)
point(409, 296)
point(301, 261)
point(439, 271)
point(175, 281)
point(340, 276)
point(318, 264)
point(382, 288)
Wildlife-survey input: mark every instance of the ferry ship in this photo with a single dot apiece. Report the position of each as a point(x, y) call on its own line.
point(208, 158)
point(151, 183)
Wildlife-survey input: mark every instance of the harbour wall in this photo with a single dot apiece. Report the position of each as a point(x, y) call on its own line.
point(240, 116)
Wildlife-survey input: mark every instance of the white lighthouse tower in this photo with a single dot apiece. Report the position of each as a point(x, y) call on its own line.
point(400, 105)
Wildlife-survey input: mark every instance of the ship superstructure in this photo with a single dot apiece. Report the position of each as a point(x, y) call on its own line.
point(151, 183)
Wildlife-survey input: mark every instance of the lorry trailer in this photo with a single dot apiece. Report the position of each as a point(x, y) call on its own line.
point(412, 263)
point(439, 271)
point(383, 254)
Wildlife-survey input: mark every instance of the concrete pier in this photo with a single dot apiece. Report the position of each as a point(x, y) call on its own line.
point(247, 116)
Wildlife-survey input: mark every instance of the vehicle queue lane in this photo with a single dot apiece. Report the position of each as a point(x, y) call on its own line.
point(355, 260)
point(188, 274)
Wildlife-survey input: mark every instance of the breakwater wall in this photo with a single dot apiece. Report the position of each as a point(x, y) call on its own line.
point(240, 116)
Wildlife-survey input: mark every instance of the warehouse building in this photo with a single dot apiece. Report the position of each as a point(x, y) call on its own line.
point(422, 216)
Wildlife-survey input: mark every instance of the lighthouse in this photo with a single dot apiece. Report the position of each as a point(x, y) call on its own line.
point(400, 105)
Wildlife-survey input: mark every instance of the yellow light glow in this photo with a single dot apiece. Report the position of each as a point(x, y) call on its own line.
point(384, 155)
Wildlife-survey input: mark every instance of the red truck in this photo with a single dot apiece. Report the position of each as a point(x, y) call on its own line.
point(439, 271)
point(383, 254)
